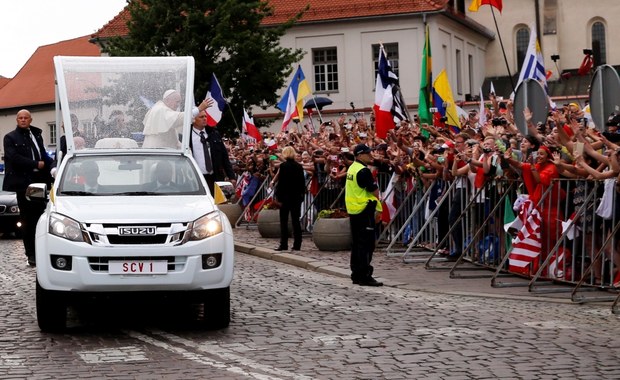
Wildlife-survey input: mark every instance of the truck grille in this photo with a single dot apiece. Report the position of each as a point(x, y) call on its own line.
point(136, 234)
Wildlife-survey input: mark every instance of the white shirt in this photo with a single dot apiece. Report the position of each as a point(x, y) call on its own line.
point(198, 150)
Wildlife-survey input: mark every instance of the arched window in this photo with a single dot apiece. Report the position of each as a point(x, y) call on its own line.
point(599, 50)
point(523, 40)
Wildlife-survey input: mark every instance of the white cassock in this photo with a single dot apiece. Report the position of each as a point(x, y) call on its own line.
point(160, 127)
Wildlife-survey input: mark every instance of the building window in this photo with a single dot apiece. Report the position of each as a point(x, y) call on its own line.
point(325, 64)
point(599, 50)
point(550, 12)
point(457, 5)
point(459, 73)
point(523, 40)
point(391, 52)
point(52, 128)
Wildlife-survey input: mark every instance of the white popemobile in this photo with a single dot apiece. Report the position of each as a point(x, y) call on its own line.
point(121, 219)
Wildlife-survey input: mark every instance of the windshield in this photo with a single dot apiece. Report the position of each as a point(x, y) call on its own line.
point(124, 102)
point(130, 175)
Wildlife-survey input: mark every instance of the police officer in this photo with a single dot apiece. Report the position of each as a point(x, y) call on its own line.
point(362, 201)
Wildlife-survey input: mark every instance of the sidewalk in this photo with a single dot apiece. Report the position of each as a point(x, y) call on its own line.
point(392, 271)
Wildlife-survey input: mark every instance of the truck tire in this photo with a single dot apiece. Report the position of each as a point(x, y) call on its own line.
point(51, 311)
point(217, 308)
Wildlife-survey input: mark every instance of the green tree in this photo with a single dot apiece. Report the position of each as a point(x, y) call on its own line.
point(226, 37)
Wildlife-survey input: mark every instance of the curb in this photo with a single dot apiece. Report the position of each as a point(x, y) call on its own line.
point(336, 271)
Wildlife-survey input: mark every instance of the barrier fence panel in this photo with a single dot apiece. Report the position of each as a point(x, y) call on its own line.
point(256, 202)
point(406, 221)
point(328, 196)
point(485, 239)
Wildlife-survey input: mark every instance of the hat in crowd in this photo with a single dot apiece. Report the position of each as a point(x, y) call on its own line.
point(360, 149)
point(613, 120)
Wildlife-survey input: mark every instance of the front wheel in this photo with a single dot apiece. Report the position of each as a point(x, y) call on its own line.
point(217, 308)
point(51, 310)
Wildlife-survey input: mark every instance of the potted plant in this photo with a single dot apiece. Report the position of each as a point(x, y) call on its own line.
point(332, 231)
point(268, 220)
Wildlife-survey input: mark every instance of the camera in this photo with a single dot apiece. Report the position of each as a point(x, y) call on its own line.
point(472, 142)
point(443, 119)
point(499, 121)
point(487, 150)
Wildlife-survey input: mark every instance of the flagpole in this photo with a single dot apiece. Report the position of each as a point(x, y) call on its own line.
point(317, 109)
point(512, 83)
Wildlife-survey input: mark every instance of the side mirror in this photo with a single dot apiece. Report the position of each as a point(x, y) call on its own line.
point(36, 191)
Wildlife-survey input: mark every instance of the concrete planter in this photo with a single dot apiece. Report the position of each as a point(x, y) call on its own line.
point(332, 234)
point(268, 223)
point(233, 212)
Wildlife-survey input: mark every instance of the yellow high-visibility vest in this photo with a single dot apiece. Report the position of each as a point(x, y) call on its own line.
point(355, 197)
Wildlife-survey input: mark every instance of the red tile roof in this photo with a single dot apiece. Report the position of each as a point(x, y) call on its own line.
point(320, 10)
point(4, 81)
point(34, 83)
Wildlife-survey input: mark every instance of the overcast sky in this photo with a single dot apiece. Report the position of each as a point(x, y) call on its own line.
point(27, 24)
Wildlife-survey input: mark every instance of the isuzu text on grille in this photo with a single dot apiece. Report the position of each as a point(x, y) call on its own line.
point(137, 230)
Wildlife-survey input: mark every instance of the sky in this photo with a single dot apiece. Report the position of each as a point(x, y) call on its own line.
point(27, 24)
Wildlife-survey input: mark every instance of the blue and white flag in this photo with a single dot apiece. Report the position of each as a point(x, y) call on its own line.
point(534, 63)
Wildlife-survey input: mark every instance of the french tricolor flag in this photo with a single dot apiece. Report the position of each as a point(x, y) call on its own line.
point(250, 128)
point(214, 112)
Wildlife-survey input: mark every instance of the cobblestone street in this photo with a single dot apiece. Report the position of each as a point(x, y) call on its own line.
point(290, 323)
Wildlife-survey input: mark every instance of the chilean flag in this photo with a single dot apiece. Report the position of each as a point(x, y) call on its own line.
point(214, 112)
point(250, 128)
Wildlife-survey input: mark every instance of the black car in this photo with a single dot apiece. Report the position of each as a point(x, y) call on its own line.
point(9, 211)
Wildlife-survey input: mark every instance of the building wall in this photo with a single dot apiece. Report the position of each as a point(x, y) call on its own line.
point(574, 20)
point(354, 40)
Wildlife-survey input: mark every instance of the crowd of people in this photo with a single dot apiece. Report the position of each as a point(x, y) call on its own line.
point(473, 154)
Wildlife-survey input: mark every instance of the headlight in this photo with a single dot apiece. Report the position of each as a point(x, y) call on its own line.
point(65, 227)
point(206, 226)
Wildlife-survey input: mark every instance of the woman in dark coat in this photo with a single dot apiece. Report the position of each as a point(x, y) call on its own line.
point(290, 190)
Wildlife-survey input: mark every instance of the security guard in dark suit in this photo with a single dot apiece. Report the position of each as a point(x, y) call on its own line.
point(26, 162)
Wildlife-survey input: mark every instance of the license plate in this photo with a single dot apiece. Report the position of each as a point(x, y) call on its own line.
point(138, 267)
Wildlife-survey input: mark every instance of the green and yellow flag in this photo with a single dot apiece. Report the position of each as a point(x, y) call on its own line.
point(426, 82)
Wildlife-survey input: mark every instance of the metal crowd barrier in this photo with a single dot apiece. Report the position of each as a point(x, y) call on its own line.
point(583, 264)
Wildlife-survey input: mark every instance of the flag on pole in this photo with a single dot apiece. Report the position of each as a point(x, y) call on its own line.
point(426, 82)
point(389, 204)
point(476, 4)
point(443, 100)
point(250, 128)
point(292, 101)
point(482, 115)
point(215, 111)
point(389, 105)
point(534, 63)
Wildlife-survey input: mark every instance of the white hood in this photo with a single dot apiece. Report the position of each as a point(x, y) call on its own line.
point(130, 209)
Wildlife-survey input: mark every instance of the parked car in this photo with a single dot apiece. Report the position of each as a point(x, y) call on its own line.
point(124, 221)
point(9, 212)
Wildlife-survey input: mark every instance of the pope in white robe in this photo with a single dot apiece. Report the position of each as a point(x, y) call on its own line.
point(163, 122)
